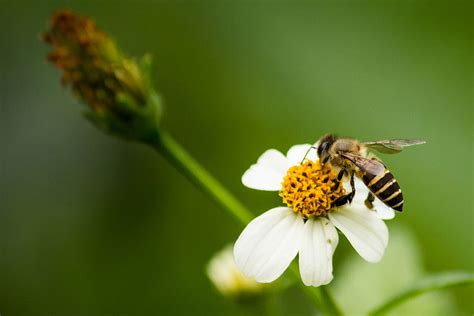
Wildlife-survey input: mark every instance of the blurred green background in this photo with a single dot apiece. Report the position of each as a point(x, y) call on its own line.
point(91, 225)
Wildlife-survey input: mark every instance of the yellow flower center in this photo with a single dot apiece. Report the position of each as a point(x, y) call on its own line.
point(311, 189)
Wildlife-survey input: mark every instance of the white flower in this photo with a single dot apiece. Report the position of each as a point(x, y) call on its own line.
point(227, 278)
point(308, 225)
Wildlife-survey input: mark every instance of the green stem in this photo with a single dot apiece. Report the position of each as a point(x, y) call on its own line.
point(333, 308)
point(430, 283)
point(313, 293)
point(203, 180)
point(320, 296)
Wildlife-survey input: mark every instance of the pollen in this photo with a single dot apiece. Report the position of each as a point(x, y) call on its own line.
point(311, 189)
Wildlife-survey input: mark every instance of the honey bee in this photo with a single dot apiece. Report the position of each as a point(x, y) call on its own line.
point(349, 156)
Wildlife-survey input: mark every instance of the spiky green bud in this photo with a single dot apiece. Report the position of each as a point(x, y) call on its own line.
point(117, 89)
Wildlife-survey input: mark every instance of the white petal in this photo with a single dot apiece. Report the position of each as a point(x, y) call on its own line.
point(383, 211)
point(267, 174)
point(367, 233)
point(296, 154)
point(268, 244)
point(317, 247)
point(361, 192)
point(380, 209)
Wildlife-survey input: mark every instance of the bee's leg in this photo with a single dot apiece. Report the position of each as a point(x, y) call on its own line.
point(339, 177)
point(341, 174)
point(369, 200)
point(348, 197)
point(353, 192)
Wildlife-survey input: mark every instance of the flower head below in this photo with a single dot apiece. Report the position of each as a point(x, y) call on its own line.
point(228, 279)
point(307, 227)
point(117, 89)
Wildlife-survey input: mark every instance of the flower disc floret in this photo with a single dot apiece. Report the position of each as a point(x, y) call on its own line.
point(311, 189)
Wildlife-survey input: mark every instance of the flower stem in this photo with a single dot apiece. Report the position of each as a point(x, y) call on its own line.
point(333, 308)
point(204, 181)
point(320, 296)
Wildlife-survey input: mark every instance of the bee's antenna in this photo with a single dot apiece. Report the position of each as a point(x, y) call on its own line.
point(307, 152)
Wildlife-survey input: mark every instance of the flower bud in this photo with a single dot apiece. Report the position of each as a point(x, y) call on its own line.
point(116, 89)
point(228, 279)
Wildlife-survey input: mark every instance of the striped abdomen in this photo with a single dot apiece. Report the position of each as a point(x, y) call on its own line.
point(385, 187)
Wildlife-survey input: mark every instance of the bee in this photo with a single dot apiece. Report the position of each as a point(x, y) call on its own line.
point(350, 157)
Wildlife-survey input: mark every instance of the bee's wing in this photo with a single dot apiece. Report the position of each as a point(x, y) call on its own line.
point(392, 146)
point(366, 165)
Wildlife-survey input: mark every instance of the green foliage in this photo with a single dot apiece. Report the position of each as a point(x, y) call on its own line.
point(427, 284)
point(361, 287)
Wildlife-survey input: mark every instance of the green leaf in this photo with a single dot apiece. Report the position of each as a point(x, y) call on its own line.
point(401, 267)
point(427, 284)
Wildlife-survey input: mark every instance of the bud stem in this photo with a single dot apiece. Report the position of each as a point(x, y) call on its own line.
point(202, 179)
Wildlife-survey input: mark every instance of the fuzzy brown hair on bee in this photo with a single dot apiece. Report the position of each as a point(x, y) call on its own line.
point(330, 149)
point(349, 157)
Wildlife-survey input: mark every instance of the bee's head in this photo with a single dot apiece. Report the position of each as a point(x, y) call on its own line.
point(323, 149)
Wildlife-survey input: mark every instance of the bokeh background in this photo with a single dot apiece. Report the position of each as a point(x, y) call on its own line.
point(91, 225)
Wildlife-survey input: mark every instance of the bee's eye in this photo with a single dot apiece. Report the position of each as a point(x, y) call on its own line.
point(322, 148)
